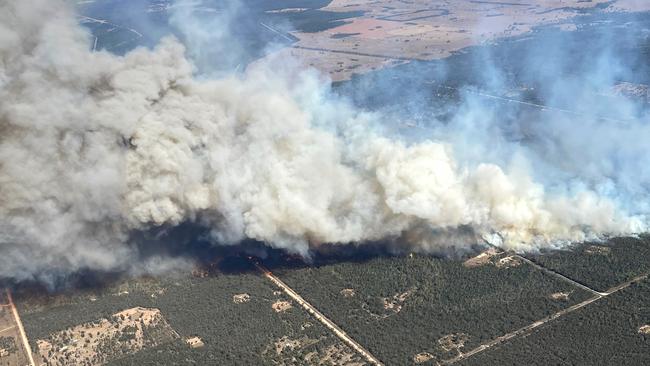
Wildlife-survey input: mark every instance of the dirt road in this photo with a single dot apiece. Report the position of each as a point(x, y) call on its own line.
point(318, 315)
point(529, 328)
point(19, 323)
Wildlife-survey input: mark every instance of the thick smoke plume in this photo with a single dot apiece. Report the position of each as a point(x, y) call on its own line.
point(94, 147)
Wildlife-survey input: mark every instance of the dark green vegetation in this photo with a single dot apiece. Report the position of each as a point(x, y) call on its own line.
point(343, 35)
point(603, 333)
point(433, 91)
point(111, 38)
point(399, 307)
point(601, 265)
point(234, 333)
point(312, 21)
point(8, 344)
point(396, 307)
point(6, 317)
point(150, 18)
point(121, 16)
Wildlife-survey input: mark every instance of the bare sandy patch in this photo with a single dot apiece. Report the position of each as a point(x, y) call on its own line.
point(413, 30)
point(286, 343)
point(348, 292)
point(281, 306)
point(389, 305)
point(284, 350)
point(422, 357)
point(597, 250)
point(241, 298)
point(452, 342)
point(508, 262)
point(560, 296)
point(395, 303)
point(101, 341)
point(336, 355)
point(481, 259)
point(194, 342)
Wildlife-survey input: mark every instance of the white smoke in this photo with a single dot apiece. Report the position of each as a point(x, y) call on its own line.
point(94, 146)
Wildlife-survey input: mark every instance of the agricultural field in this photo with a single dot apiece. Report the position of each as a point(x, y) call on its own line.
point(419, 30)
point(343, 38)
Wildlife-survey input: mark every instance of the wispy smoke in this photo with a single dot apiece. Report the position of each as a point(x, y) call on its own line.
point(95, 146)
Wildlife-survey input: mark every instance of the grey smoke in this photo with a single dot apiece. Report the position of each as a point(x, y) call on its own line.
point(95, 146)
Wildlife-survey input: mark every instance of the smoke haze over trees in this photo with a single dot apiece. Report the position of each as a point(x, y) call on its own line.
point(96, 146)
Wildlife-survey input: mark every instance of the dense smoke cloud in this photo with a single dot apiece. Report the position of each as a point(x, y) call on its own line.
point(94, 147)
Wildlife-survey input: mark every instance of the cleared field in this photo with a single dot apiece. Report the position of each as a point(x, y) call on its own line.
point(241, 319)
point(600, 265)
point(430, 30)
point(610, 331)
point(423, 309)
point(12, 351)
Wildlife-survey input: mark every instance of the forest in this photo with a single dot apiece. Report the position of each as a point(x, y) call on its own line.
point(397, 307)
point(233, 333)
point(606, 332)
point(600, 265)
point(400, 307)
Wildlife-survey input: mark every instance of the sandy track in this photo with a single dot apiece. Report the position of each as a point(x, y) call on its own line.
point(354, 53)
point(562, 277)
point(529, 328)
point(7, 328)
point(19, 323)
point(318, 315)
